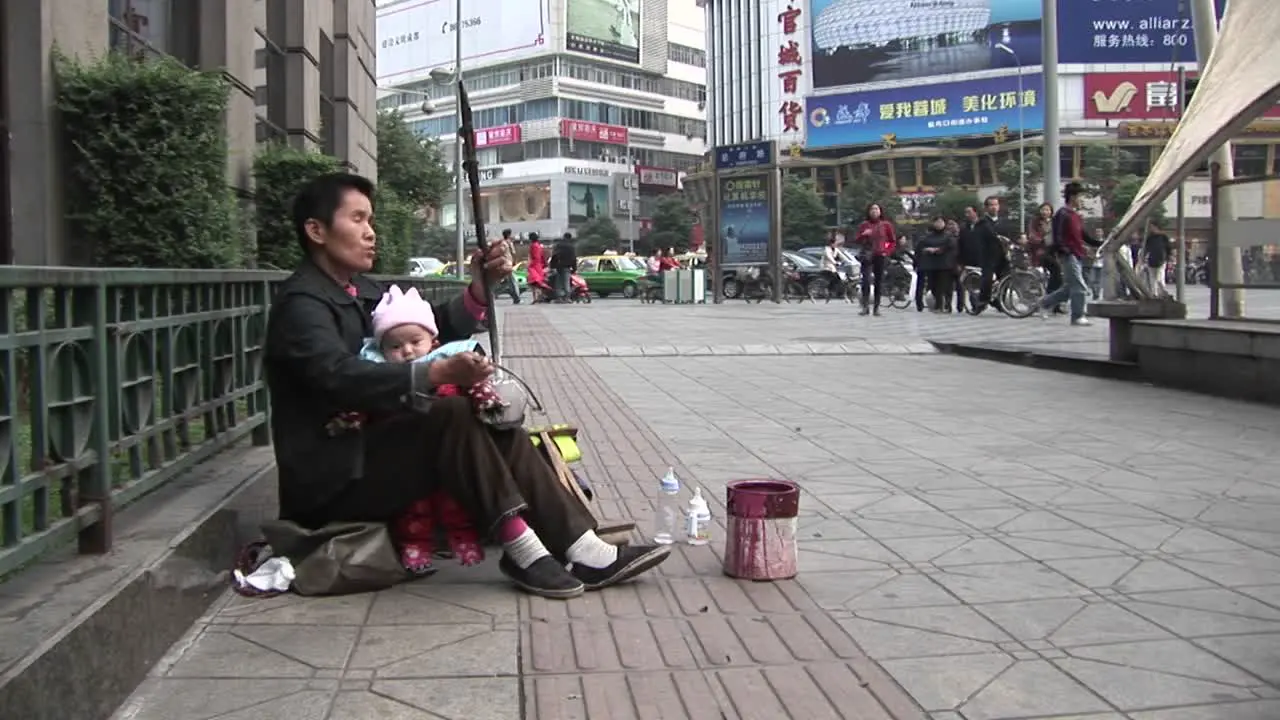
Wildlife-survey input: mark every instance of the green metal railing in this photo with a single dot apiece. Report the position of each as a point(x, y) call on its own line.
point(113, 382)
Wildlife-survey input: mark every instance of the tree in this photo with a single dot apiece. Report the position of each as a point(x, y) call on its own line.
point(435, 241)
point(804, 217)
point(1123, 195)
point(951, 202)
point(1100, 171)
point(409, 164)
point(1021, 184)
point(597, 235)
point(947, 170)
point(673, 218)
point(860, 191)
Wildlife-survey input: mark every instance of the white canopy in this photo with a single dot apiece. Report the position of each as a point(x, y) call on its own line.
point(1240, 81)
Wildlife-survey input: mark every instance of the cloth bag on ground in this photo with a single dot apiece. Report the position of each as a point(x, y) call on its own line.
point(339, 558)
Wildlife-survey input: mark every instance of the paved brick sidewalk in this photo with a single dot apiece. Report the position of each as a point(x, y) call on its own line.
point(984, 541)
point(1007, 543)
point(683, 643)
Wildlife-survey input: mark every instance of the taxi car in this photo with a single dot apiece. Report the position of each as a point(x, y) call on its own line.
point(609, 274)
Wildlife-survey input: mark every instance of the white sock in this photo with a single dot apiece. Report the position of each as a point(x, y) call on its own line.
point(591, 551)
point(526, 549)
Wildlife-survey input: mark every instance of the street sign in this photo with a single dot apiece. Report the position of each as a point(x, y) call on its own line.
point(744, 155)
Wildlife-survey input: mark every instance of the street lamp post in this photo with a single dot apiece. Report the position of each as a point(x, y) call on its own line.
point(1022, 143)
point(631, 198)
point(458, 173)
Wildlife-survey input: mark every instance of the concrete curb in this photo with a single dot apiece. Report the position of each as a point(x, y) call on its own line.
point(1087, 365)
point(99, 623)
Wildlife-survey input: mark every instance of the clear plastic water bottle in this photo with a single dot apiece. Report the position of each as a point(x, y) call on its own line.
point(668, 520)
point(698, 520)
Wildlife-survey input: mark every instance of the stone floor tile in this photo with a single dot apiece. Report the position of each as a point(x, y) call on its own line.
point(886, 641)
point(946, 683)
point(1032, 619)
point(1010, 581)
point(1105, 623)
point(1258, 654)
point(239, 698)
point(1248, 710)
point(1130, 688)
point(452, 699)
point(952, 620)
point(1175, 657)
point(221, 654)
point(1033, 688)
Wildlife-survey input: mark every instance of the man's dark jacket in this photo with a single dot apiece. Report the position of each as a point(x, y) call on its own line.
point(315, 373)
point(565, 256)
point(969, 246)
point(987, 232)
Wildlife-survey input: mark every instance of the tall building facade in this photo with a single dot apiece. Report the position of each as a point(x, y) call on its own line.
point(583, 108)
point(299, 70)
point(842, 91)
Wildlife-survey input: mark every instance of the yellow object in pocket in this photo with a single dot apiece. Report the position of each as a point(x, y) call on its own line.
point(569, 449)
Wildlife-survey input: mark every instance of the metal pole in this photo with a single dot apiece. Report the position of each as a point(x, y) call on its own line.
point(1049, 59)
point(459, 177)
point(1022, 154)
point(634, 180)
point(1180, 278)
point(1226, 261)
point(775, 237)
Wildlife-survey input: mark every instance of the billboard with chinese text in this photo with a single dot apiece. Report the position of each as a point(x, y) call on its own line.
point(1136, 96)
point(604, 28)
point(864, 41)
point(500, 135)
point(1127, 31)
point(594, 132)
point(417, 36)
point(789, 71)
point(744, 219)
point(924, 112)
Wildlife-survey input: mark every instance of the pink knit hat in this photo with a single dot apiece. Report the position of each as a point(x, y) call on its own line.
point(398, 307)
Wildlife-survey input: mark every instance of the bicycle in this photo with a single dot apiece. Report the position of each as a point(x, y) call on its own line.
point(755, 284)
point(794, 290)
point(844, 287)
point(1020, 292)
point(897, 278)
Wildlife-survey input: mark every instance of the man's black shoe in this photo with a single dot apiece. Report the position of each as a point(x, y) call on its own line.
point(632, 560)
point(546, 577)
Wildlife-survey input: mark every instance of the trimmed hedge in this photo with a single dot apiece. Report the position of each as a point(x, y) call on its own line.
point(146, 158)
point(278, 172)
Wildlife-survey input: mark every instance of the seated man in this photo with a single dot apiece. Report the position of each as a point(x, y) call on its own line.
point(357, 440)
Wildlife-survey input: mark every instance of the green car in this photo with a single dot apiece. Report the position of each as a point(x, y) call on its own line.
point(608, 274)
point(518, 274)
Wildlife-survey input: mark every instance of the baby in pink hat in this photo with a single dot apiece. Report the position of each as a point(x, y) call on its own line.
point(404, 330)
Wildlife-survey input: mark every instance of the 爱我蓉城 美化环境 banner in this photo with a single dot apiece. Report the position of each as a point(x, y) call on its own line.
point(924, 112)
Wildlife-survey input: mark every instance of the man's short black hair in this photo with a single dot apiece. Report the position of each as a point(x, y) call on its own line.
point(320, 199)
point(1072, 189)
point(533, 236)
point(568, 236)
point(506, 234)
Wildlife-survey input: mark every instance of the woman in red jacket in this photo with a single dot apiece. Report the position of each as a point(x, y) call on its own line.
point(536, 273)
point(876, 241)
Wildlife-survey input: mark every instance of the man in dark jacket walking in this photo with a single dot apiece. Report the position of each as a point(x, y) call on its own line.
point(564, 260)
point(968, 252)
point(995, 260)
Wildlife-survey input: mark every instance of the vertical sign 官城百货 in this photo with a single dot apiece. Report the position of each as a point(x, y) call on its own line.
point(791, 76)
